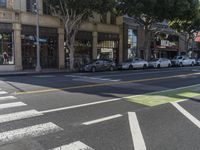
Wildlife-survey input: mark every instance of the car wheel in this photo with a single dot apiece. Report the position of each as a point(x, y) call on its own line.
point(192, 64)
point(130, 67)
point(93, 69)
point(181, 64)
point(111, 68)
point(145, 66)
point(158, 66)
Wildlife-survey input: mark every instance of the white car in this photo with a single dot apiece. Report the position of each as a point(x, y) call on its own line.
point(160, 63)
point(198, 61)
point(183, 61)
point(135, 63)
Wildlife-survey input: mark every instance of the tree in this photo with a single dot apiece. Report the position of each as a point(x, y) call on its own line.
point(75, 12)
point(149, 12)
point(190, 24)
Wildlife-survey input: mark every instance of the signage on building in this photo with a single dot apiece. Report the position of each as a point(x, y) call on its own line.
point(5, 15)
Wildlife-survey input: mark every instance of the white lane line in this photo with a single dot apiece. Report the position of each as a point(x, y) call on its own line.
point(74, 146)
point(11, 105)
point(79, 106)
point(102, 119)
point(187, 114)
point(137, 137)
point(3, 92)
point(7, 98)
point(28, 132)
point(45, 76)
point(19, 116)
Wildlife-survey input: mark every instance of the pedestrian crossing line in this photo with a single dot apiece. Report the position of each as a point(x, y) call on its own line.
point(7, 98)
point(19, 116)
point(186, 114)
point(28, 132)
point(74, 146)
point(3, 92)
point(12, 105)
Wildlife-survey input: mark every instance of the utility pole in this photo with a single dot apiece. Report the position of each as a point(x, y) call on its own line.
point(38, 66)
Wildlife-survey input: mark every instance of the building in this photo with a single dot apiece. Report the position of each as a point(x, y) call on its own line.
point(104, 36)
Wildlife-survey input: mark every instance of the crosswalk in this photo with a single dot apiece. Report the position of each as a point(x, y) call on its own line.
point(16, 134)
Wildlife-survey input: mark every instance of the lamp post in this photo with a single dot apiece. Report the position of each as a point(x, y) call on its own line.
point(38, 66)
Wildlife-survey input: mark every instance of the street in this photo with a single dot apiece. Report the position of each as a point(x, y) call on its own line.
point(154, 109)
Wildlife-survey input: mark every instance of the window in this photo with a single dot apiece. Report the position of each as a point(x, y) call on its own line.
point(46, 7)
point(30, 5)
point(132, 43)
point(6, 50)
point(103, 18)
point(2, 3)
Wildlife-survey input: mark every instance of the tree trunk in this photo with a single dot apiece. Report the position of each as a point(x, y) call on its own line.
point(147, 44)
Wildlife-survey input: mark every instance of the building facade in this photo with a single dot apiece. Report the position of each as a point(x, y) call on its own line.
point(103, 36)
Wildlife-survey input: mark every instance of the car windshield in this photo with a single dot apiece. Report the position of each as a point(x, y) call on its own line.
point(130, 60)
point(178, 57)
point(156, 59)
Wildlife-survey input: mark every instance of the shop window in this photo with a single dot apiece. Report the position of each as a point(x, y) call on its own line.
point(113, 19)
point(30, 5)
point(2, 3)
point(6, 49)
point(132, 43)
point(103, 18)
point(46, 7)
point(108, 50)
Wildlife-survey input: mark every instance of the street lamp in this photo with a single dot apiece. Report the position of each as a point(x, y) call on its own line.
point(38, 67)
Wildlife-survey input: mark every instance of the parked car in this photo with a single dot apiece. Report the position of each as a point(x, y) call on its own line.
point(135, 63)
point(160, 63)
point(183, 61)
point(198, 61)
point(100, 65)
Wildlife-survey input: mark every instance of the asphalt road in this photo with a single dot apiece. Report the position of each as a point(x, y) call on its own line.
point(121, 110)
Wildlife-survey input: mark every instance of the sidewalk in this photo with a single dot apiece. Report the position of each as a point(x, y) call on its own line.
point(33, 72)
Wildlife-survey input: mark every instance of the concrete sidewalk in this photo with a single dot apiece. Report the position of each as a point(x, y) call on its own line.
point(33, 72)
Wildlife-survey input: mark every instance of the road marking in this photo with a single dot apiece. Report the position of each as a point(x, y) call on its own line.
point(44, 76)
point(137, 137)
point(79, 106)
point(3, 92)
point(102, 119)
point(7, 98)
point(28, 132)
point(110, 100)
point(74, 146)
point(19, 116)
point(11, 105)
point(187, 114)
point(103, 84)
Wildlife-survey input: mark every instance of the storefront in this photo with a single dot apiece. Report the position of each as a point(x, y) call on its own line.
point(48, 47)
point(108, 46)
point(165, 46)
point(6, 44)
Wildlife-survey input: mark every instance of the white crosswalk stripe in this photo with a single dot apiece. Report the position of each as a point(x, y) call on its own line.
point(28, 132)
point(19, 116)
point(74, 146)
point(3, 92)
point(7, 98)
point(11, 105)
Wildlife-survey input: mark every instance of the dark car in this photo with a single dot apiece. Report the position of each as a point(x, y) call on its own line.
point(100, 65)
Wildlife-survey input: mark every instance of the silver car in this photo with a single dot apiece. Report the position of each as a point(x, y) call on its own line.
point(160, 63)
point(135, 63)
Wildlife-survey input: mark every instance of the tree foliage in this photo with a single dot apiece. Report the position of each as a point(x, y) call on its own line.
point(73, 13)
point(149, 12)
